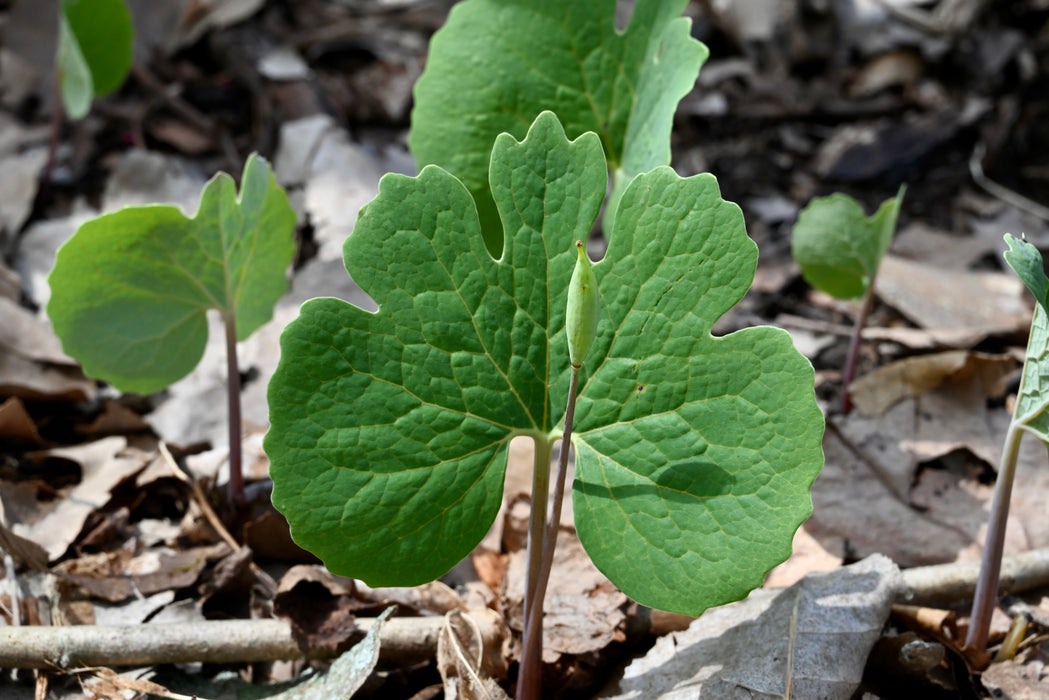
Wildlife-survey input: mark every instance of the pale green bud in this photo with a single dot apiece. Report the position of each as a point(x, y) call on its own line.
point(584, 305)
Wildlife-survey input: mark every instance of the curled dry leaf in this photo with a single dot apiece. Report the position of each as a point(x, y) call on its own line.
point(468, 662)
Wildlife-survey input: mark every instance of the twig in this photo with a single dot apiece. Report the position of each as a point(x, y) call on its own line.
point(401, 640)
point(202, 500)
point(1001, 191)
point(943, 584)
point(212, 517)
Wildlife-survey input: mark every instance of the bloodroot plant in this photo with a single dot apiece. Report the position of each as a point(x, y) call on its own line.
point(694, 454)
point(1029, 416)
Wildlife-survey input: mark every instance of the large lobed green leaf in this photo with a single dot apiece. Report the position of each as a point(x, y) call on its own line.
point(496, 64)
point(838, 247)
point(94, 51)
point(130, 290)
point(390, 430)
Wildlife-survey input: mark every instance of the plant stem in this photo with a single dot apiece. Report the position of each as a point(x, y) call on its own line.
point(991, 564)
point(537, 517)
point(236, 476)
point(849, 373)
point(529, 680)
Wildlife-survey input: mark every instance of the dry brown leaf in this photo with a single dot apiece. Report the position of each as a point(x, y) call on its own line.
point(434, 598)
point(32, 380)
point(884, 524)
point(807, 641)
point(104, 464)
point(17, 428)
point(583, 611)
point(985, 302)
point(876, 391)
point(319, 607)
point(113, 419)
point(468, 667)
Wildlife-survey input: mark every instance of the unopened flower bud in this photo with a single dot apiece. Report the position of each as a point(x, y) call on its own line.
point(584, 305)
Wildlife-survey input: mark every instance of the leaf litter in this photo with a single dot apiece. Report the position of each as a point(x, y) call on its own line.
point(909, 478)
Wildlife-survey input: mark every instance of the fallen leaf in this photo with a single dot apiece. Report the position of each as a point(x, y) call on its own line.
point(103, 464)
point(807, 641)
point(347, 674)
point(582, 612)
point(339, 178)
point(876, 391)
point(17, 427)
point(465, 665)
point(319, 607)
point(988, 302)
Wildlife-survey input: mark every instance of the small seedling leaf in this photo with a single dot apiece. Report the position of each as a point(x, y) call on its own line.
point(1026, 261)
point(496, 64)
point(94, 51)
point(74, 75)
point(839, 247)
point(1033, 398)
point(130, 290)
point(390, 430)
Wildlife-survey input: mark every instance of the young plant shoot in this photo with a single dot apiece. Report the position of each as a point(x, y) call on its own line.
point(839, 248)
point(130, 291)
point(694, 454)
point(1029, 416)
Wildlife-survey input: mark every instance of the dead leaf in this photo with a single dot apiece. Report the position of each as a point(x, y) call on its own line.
point(17, 427)
point(886, 523)
point(114, 419)
point(1023, 678)
point(988, 302)
point(874, 392)
point(583, 611)
point(465, 665)
point(434, 598)
point(947, 250)
point(33, 380)
point(807, 641)
point(348, 673)
point(25, 552)
point(319, 608)
point(103, 464)
point(897, 68)
point(339, 177)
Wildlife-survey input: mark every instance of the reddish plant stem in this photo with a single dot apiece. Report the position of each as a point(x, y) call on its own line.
point(43, 191)
point(530, 675)
point(849, 373)
point(236, 475)
point(986, 593)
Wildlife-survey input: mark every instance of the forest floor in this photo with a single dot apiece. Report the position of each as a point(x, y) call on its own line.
point(949, 98)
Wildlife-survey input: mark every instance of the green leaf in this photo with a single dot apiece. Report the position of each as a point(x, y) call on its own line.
point(104, 34)
point(74, 75)
point(496, 64)
point(1026, 261)
point(1033, 397)
point(838, 247)
point(390, 430)
point(130, 290)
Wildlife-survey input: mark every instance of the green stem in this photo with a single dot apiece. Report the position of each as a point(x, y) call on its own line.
point(537, 519)
point(849, 373)
point(236, 476)
point(986, 594)
point(529, 680)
